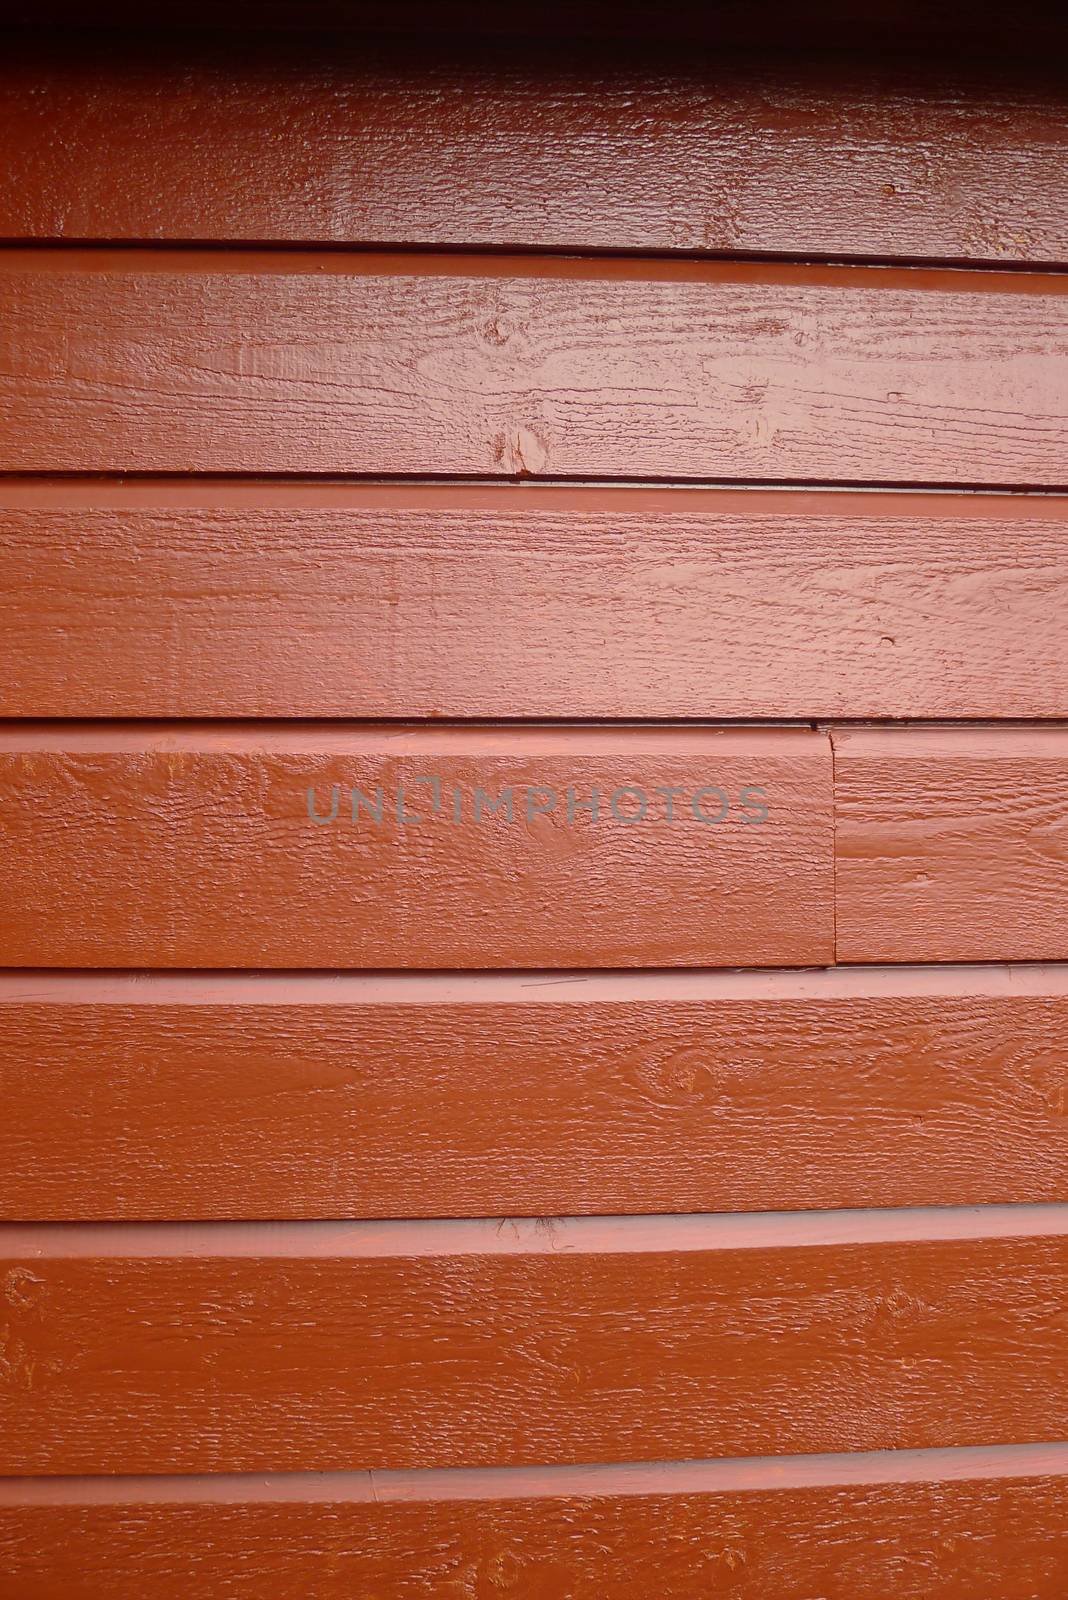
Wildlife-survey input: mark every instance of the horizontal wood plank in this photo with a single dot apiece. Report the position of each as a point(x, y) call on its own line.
point(368, 146)
point(320, 846)
point(300, 1346)
point(178, 362)
point(951, 844)
point(308, 1096)
point(932, 1525)
point(148, 600)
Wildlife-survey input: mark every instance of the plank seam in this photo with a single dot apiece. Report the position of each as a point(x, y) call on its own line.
point(1031, 489)
point(630, 1234)
point(527, 986)
point(565, 265)
point(516, 491)
point(834, 846)
point(415, 247)
point(750, 1474)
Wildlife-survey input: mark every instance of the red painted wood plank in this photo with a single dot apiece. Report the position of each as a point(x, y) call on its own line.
point(370, 364)
point(931, 1525)
point(193, 846)
point(305, 1346)
point(157, 599)
point(951, 844)
point(566, 151)
point(304, 1096)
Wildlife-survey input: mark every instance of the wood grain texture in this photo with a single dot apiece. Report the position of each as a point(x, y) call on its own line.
point(302, 1346)
point(334, 363)
point(308, 1096)
point(519, 149)
point(192, 846)
point(793, 1528)
point(172, 600)
point(951, 844)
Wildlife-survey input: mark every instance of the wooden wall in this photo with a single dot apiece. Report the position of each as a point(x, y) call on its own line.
point(556, 1193)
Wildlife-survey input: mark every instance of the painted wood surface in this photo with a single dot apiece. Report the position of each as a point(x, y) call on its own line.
point(930, 1525)
point(529, 367)
point(308, 1096)
point(649, 1175)
point(195, 845)
point(286, 600)
point(312, 1346)
point(951, 844)
point(518, 149)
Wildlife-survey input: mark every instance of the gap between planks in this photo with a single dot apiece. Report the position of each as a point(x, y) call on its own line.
point(102, 986)
point(197, 487)
point(753, 1474)
point(475, 735)
point(575, 267)
point(165, 491)
point(594, 253)
point(496, 1236)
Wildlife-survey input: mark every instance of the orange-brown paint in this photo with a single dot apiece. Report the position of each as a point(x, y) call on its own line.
point(300, 1095)
point(196, 846)
point(528, 368)
point(951, 844)
point(856, 158)
point(187, 598)
point(921, 1526)
point(326, 1280)
point(307, 1346)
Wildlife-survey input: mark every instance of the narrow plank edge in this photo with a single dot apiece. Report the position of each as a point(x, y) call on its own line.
point(915, 742)
point(495, 1236)
point(393, 739)
point(138, 260)
point(242, 491)
point(755, 1474)
point(26, 986)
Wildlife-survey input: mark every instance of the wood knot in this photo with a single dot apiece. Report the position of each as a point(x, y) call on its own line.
point(22, 1288)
